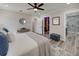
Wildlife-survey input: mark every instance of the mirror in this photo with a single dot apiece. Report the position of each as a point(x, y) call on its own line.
point(72, 23)
point(22, 21)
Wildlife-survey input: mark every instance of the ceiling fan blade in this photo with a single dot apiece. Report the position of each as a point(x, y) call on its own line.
point(40, 8)
point(30, 4)
point(40, 5)
point(29, 8)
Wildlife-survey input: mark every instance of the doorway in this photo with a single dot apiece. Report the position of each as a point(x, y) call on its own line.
point(46, 26)
point(37, 25)
point(72, 23)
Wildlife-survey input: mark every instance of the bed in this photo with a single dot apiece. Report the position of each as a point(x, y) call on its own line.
point(26, 44)
point(29, 44)
point(22, 46)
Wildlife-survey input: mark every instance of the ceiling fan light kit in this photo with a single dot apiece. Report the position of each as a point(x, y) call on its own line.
point(35, 9)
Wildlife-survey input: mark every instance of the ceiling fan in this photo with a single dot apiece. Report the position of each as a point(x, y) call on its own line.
point(36, 6)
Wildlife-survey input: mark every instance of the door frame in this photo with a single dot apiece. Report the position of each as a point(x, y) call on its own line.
point(43, 24)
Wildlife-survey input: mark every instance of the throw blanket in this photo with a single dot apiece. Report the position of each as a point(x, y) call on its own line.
point(43, 43)
point(3, 44)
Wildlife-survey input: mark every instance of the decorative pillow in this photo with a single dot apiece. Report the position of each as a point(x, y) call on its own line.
point(5, 29)
point(10, 37)
point(3, 32)
point(3, 44)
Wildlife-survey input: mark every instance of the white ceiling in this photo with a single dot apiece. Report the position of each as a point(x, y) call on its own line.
point(47, 6)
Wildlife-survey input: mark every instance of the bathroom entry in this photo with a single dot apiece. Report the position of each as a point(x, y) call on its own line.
point(46, 26)
point(72, 23)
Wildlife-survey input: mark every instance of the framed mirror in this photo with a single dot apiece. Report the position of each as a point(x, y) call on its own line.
point(22, 20)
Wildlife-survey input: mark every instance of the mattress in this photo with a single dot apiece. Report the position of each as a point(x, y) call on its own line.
point(23, 45)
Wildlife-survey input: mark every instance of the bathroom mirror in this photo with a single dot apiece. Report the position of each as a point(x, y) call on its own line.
point(22, 20)
point(72, 22)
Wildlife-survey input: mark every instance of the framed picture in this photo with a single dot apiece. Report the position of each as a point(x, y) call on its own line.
point(56, 20)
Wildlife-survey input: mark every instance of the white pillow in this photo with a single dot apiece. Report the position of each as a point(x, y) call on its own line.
point(11, 37)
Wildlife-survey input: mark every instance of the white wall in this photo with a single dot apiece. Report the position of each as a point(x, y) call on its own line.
point(57, 28)
point(10, 20)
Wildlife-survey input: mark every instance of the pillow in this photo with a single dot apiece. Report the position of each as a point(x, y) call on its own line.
point(10, 37)
point(3, 44)
point(3, 32)
point(5, 29)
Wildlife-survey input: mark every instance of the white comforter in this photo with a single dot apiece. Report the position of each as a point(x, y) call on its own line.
point(29, 44)
point(43, 43)
point(22, 45)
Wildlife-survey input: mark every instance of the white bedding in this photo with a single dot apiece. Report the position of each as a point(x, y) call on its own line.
point(29, 44)
point(43, 43)
point(23, 45)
